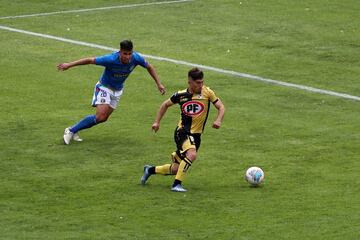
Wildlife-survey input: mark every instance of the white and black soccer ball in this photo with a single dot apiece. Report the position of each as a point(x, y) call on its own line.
point(254, 176)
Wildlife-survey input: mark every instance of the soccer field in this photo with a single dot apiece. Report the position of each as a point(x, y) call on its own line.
point(287, 72)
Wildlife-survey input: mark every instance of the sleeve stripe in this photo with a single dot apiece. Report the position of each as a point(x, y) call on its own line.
point(172, 100)
point(215, 101)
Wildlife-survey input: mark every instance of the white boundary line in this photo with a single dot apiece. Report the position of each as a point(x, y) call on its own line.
point(219, 70)
point(94, 9)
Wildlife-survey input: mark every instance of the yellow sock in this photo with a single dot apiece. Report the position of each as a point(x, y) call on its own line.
point(164, 169)
point(183, 167)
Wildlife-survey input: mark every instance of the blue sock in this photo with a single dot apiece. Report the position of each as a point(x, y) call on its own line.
point(86, 122)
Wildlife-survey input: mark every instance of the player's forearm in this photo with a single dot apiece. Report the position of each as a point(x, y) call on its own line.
point(154, 74)
point(83, 61)
point(221, 113)
point(161, 112)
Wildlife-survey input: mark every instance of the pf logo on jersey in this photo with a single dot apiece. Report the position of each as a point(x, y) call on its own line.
point(192, 108)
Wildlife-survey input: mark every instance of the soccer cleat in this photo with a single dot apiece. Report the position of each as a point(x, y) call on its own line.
point(178, 188)
point(146, 175)
point(68, 135)
point(76, 137)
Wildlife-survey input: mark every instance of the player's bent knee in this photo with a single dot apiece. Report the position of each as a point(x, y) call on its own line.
point(191, 154)
point(174, 168)
point(101, 118)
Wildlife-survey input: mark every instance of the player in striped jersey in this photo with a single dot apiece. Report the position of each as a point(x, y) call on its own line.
point(194, 105)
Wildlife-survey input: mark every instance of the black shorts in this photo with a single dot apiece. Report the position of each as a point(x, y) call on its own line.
point(185, 140)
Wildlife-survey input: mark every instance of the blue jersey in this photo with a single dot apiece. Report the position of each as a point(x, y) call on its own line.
point(115, 72)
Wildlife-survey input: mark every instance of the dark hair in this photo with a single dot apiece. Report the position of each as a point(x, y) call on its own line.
point(126, 45)
point(195, 74)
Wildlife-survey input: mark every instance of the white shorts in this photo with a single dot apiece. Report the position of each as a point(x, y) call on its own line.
point(104, 95)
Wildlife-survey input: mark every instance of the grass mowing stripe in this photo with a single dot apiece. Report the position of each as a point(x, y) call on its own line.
point(219, 70)
point(94, 9)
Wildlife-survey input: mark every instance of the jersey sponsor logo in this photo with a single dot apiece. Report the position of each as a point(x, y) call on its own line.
point(192, 108)
point(120, 75)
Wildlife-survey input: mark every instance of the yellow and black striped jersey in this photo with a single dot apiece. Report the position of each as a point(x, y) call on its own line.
point(194, 108)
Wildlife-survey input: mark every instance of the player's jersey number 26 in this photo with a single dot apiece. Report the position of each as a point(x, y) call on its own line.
point(192, 108)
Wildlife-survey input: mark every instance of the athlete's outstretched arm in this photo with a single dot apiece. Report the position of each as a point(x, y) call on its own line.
point(220, 116)
point(154, 75)
point(164, 106)
point(83, 61)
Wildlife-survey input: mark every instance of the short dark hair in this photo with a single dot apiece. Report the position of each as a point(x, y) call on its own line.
point(126, 45)
point(195, 74)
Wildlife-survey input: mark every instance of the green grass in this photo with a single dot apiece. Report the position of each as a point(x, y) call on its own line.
point(307, 144)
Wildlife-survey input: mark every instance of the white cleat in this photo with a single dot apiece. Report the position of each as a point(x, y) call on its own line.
point(178, 188)
point(68, 135)
point(76, 137)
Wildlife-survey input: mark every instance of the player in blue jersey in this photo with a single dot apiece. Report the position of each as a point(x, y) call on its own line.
point(109, 88)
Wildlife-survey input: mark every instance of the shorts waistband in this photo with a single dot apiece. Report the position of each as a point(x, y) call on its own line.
point(111, 88)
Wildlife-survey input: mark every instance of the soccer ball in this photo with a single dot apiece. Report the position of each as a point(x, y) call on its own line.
point(254, 176)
